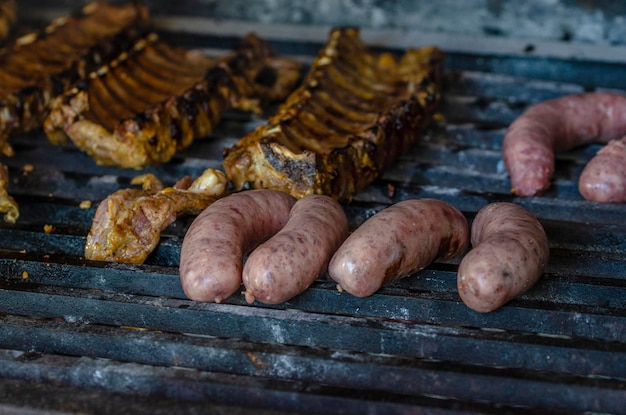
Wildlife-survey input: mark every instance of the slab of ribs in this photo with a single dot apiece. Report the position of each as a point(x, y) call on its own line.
point(354, 114)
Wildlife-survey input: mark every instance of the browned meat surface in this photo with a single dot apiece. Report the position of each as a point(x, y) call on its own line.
point(8, 17)
point(36, 66)
point(8, 206)
point(154, 101)
point(127, 225)
point(353, 115)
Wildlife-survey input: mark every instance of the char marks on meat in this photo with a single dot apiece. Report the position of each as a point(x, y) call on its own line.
point(38, 65)
point(127, 225)
point(354, 114)
point(155, 100)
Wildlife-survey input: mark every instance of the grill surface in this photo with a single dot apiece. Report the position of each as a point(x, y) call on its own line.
point(79, 336)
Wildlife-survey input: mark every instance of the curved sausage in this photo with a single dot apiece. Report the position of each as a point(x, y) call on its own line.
point(290, 261)
point(396, 242)
point(560, 124)
point(510, 251)
point(604, 177)
point(211, 257)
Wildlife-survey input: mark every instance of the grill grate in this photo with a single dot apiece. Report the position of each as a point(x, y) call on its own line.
point(115, 336)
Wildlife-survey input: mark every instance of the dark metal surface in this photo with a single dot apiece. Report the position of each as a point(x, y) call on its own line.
point(86, 337)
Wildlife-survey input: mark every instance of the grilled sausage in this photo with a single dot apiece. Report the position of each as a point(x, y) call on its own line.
point(211, 256)
point(557, 125)
point(604, 177)
point(510, 251)
point(397, 242)
point(289, 262)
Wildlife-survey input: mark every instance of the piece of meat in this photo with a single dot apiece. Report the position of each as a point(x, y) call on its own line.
point(40, 65)
point(290, 261)
point(544, 129)
point(354, 114)
point(127, 225)
point(211, 257)
point(604, 177)
point(8, 206)
point(155, 100)
point(509, 253)
point(8, 17)
point(397, 242)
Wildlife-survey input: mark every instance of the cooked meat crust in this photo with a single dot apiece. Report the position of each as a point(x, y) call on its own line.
point(354, 114)
point(8, 206)
point(155, 100)
point(39, 65)
point(8, 17)
point(127, 225)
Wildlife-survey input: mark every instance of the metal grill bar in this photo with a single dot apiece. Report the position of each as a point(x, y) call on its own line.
point(127, 334)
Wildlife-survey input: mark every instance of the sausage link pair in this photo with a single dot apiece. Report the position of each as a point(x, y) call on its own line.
point(510, 251)
point(396, 242)
point(557, 125)
point(290, 261)
point(212, 252)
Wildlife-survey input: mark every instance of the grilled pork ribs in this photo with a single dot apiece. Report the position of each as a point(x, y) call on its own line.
point(354, 114)
point(39, 65)
point(156, 99)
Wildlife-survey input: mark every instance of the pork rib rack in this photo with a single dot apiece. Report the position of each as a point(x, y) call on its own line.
point(155, 100)
point(36, 66)
point(355, 112)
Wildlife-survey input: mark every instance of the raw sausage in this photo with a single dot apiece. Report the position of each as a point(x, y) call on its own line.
point(510, 251)
point(604, 177)
point(211, 257)
point(290, 261)
point(396, 242)
point(557, 125)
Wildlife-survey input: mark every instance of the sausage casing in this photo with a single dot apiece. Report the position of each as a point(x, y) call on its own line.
point(604, 177)
point(290, 261)
point(557, 125)
point(211, 257)
point(510, 251)
point(396, 242)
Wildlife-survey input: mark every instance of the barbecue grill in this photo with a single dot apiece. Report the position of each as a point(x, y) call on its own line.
point(78, 336)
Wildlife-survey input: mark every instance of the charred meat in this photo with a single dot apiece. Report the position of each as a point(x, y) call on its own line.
point(8, 206)
point(155, 100)
point(127, 225)
point(354, 114)
point(39, 65)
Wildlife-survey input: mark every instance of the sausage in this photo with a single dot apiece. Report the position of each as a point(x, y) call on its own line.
point(604, 177)
point(509, 253)
point(396, 242)
point(290, 261)
point(211, 257)
point(556, 125)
